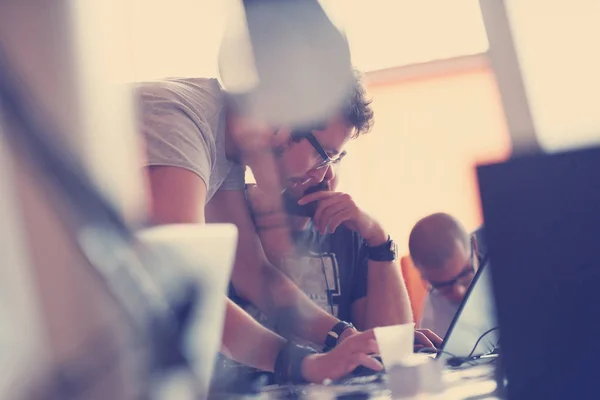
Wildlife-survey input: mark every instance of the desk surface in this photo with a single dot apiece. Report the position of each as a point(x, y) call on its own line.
point(474, 382)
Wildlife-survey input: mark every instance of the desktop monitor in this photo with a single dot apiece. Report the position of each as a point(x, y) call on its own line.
point(542, 219)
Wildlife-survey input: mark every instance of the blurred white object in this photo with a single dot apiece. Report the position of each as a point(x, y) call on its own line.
point(110, 144)
point(75, 310)
point(395, 343)
point(293, 61)
point(22, 348)
point(547, 70)
point(72, 57)
point(415, 374)
point(208, 253)
point(409, 373)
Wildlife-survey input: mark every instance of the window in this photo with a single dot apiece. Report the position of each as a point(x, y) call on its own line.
point(389, 33)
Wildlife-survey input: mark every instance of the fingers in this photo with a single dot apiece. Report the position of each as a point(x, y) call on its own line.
point(421, 339)
point(330, 201)
point(364, 360)
point(325, 212)
point(418, 347)
point(435, 339)
point(317, 196)
point(369, 362)
point(363, 342)
point(338, 218)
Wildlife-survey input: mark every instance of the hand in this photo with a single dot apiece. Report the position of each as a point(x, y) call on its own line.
point(425, 338)
point(337, 208)
point(343, 359)
point(346, 334)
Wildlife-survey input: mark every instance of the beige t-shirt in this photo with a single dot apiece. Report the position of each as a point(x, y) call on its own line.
point(183, 124)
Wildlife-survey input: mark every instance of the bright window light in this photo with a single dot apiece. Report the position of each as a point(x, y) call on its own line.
point(390, 33)
point(182, 37)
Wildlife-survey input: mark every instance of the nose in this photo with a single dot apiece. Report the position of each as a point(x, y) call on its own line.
point(322, 174)
point(457, 294)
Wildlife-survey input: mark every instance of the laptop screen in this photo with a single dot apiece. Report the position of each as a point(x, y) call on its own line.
point(473, 331)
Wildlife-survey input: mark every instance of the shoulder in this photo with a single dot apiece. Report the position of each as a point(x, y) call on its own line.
point(193, 93)
point(209, 85)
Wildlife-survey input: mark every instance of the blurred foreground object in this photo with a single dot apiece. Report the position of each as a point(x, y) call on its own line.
point(89, 312)
point(286, 61)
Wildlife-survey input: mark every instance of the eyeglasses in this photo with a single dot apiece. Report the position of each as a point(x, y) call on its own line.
point(326, 160)
point(464, 278)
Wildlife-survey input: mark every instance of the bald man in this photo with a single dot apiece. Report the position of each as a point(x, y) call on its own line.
point(447, 258)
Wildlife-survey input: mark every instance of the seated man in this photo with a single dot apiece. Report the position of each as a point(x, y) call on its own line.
point(447, 259)
point(339, 255)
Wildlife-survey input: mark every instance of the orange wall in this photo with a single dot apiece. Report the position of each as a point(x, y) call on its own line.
point(428, 135)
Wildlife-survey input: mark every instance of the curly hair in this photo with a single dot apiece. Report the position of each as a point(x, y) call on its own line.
point(357, 108)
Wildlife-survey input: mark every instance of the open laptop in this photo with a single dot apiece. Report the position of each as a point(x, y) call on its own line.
point(542, 216)
point(474, 330)
point(206, 254)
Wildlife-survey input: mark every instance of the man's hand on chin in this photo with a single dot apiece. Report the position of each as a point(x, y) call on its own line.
point(336, 208)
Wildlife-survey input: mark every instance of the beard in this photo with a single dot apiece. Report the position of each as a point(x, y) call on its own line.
point(308, 210)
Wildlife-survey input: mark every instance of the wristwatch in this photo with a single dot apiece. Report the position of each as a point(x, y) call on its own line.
point(334, 334)
point(387, 251)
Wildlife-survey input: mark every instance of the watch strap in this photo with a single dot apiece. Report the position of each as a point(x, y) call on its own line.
point(334, 334)
point(288, 365)
point(387, 251)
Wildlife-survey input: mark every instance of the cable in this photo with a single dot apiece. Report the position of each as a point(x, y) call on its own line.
point(436, 351)
point(479, 340)
point(455, 361)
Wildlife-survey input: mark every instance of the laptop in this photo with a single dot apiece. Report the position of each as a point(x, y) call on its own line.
point(542, 217)
point(205, 253)
point(474, 331)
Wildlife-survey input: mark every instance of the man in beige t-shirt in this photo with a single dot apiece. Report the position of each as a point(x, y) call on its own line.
point(197, 143)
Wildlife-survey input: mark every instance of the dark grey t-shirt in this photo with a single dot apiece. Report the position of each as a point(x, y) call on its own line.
point(330, 270)
point(183, 123)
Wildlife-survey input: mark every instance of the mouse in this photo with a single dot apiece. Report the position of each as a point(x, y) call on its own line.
point(364, 371)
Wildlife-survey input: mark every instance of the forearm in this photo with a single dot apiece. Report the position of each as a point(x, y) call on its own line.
point(248, 342)
point(387, 301)
point(293, 311)
point(275, 237)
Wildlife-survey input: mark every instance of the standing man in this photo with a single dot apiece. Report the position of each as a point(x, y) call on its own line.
point(198, 143)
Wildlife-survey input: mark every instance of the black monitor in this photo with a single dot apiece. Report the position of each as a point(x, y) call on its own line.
point(542, 218)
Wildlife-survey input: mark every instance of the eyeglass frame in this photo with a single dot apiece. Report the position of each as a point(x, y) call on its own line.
point(327, 161)
point(474, 257)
